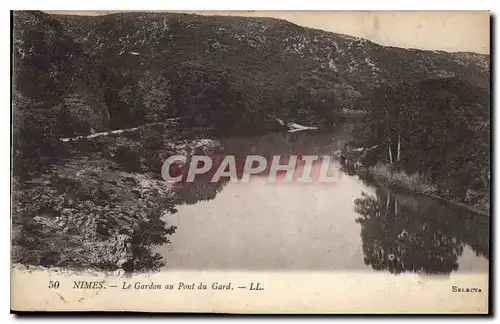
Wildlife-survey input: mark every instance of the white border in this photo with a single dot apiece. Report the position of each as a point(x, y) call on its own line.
point(258, 5)
point(190, 5)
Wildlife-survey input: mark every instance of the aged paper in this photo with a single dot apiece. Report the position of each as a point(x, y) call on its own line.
point(251, 162)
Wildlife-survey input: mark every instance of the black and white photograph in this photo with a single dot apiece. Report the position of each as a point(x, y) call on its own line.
point(151, 142)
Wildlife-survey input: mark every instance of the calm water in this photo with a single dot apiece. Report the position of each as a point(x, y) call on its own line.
point(347, 224)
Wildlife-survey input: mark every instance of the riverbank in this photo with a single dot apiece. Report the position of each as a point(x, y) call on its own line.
point(386, 176)
point(88, 213)
point(101, 206)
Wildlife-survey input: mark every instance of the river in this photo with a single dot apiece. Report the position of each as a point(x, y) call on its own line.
point(344, 225)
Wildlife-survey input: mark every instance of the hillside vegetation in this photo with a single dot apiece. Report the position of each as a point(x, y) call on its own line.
point(79, 74)
point(434, 132)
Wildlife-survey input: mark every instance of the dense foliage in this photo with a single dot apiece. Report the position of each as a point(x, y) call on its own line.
point(236, 75)
point(56, 90)
point(437, 127)
point(81, 214)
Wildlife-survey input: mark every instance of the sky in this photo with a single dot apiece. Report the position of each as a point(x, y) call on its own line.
point(452, 31)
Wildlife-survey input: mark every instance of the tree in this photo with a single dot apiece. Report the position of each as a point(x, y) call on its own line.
point(437, 127)
point(156, 98)
point(35, 134)
point(77, 117)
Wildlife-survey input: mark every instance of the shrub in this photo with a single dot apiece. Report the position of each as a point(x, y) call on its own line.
point(400, 179)
point(153, 140)
point(153, 163)
point(129, 159)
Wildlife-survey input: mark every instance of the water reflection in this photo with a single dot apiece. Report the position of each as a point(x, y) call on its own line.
point(401, 233)
point(283, 144)
point(259, 225)
point(196, 191)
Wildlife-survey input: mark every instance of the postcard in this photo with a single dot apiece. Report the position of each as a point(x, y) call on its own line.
point(251, 162)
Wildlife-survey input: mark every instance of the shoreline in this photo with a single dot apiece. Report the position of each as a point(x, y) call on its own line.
point(462, 205)
point(354, 166)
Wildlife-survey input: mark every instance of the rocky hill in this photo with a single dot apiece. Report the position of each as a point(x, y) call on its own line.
point(236, 74)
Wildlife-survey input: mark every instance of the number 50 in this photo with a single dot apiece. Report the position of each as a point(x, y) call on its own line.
point(53, 284)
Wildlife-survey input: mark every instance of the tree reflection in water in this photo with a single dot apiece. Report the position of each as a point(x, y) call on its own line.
point(418, 234)
point(198, 190)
